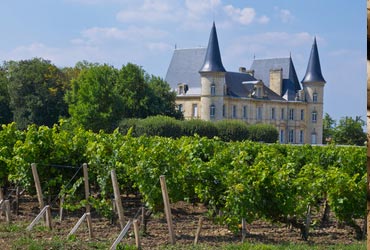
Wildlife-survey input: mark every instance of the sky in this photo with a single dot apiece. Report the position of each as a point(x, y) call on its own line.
point(146, 32)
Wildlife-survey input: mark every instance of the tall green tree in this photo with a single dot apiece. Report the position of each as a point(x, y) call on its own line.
point(328, 128)
point(162, 99)
point(36, 92)
point(6, 115)
point(350, 131)
point(92, 100)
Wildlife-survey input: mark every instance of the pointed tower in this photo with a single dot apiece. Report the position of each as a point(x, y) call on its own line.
point(313, 85)
point(213, 85)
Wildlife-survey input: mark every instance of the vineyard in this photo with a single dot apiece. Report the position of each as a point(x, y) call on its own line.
point(234, 181)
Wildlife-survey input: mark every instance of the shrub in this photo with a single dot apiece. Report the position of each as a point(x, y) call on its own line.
point(158, 126)
point(263, 133)
point(232, 130)
point(199, 127)
point(125, 125)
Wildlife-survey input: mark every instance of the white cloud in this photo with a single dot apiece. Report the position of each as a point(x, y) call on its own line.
point(244, 16)
point(98, 35)
point(263, 19)
point(284, 15)
point(149, 11)
point(197, 9)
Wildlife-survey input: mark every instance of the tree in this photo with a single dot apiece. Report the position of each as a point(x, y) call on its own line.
point(162, 99)
point(6, 115)
point(328, 128)
point(350, 132)
point(36, 91)
point(92, 100)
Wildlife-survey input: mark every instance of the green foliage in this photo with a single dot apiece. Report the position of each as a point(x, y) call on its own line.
point(263, 133)
point(199, 127)
point(36, 91)
point(232, 130)
point(158, 126)
point(350, 132)
point(234, 179)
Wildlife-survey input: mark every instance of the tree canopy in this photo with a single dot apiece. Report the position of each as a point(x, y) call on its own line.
point(349, 131)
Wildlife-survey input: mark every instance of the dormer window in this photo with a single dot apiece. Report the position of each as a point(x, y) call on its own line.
point(182, 88)
point(213, 89)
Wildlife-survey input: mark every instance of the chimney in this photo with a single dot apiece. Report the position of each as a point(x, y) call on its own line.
point(242, 70)
point(276, 80)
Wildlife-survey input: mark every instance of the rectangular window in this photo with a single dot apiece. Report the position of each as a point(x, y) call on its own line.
point(234, 111)
point(259, 113)
point(180, 107)
point(273, 114)
point(302, 114)
point(281, 136)
point(291, 114)
point(224, 110)
point(291, 136)
point(212, 110)
point(195, 110)
point(301, 137)
point(282, 114)
point(245, 114)
point(213, 89)
point(314, 97)
point(314, 116)
point(313, 138)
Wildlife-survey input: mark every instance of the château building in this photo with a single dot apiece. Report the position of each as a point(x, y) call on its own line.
point(268, 92)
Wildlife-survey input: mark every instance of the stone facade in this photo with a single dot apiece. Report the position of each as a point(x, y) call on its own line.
point(268, 93)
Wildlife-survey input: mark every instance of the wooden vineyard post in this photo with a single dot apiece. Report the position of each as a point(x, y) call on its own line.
point(244, 229)
point(121, 235)
point(87, 214)
point(7, 210)
point(61, 208)
point(137, 234)
point(200, 222)
point(87, 189)
point(45, 211)
point(47, 216)
point(167, 209)
point(87, 194)
point(117, 198)
point(37, 184)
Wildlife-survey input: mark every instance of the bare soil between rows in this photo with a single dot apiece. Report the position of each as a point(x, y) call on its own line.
point(185, 218)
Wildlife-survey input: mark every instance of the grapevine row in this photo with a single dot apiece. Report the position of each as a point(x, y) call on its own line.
point(234, 179)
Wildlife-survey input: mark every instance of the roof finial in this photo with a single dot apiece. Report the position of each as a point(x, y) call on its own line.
point(175, 46)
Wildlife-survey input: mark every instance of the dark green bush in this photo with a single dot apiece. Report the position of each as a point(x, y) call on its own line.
point(126, 124)
point(158, 126)
point(232, 130)
point(263, 133)
point(199, 127)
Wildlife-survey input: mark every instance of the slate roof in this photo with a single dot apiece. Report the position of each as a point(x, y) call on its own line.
point(291, 84)
point(184, 67)
point(212, 61)
point(313, 72)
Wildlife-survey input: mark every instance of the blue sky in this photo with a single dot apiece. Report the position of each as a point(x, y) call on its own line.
point(145, 32)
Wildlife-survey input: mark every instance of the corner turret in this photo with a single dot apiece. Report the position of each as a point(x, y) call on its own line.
point(212, 61)
point(313, 72)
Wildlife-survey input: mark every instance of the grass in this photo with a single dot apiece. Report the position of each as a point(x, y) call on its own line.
point(16, 237)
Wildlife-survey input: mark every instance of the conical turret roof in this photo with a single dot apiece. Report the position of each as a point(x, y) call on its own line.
point(212, 61)
point(313, 73)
